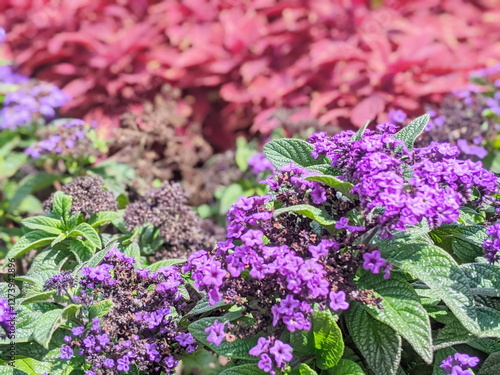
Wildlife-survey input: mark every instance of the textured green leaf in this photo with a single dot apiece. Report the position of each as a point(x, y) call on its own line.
point(29, 185)
point(491, 365)
point(31, 366)
point(249, 369)
point(101, 308)
point(436, 268)
point(103, 217)
point(11, 164)
point(281, 152)
point(31, 240)
point(204, 306)
point(133, 250)
point(314, 213)
point(302, 341)
point(453, 333)
point(359, 134)
point(50, 321)
point(47, 224)
point(26, 321)
point(346, 367)
point(82, 250)
point(412, 131)
point(237, 349)
point(402, 311)
point(343, 186)
point(60, 238)
point(44, 296)
point(327, 339)
point(61, 205)
point(304, 369)
point(48, 260)
point(85, 230)
point(379, 344)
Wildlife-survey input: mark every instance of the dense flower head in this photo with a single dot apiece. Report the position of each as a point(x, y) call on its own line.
point(89, 196)
point(491, 245)
point(31, 102)
point(459, 364)
point(428, 182)
point(7, 319)
point(67, 137)
point(166, 208)
point(141, 330)
point(61, 283)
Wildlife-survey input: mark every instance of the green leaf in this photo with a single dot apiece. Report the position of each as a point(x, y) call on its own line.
point(133, 250)
point(29, 185)
point(31, 366)
point(122, 201)
point(11, 164)
point(61, 205)
point(85, 230)
point(26, 321)
point(379, 344)
point(30, 241)
point(305, 370)
point(103, 217)
point(243, 153)
point(314, 213)
point(248, 369)
point(281, 152)
point(346, 367)
point(47, 224)
point(412, 131)
point(491, 365)
point(343, 186)
point(82, 250)
point(44, 296)
point(437, 269)
point(58, 239)
point(237, 349)
point(50, 321)
point(204, 306)
point(402, 311)
point(101, 308)
point(230, 195)
point(359, 134)
point(327, 339)
point(302, 341)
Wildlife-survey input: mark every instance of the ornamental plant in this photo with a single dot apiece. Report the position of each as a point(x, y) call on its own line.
point(368, 255)
point(240, 61)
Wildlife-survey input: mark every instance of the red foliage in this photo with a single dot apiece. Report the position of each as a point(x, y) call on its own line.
point(343, 61)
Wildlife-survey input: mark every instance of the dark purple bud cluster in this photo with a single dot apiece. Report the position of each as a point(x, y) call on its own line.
point(378, 165)
point(61, 283)
point(89, 196)
point(32, 101)
point(72, 137)
point(141, 329)
point(166, 208)
point(7, 320)
point(459, 364)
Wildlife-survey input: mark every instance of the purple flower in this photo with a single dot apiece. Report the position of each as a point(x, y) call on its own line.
point(337, 301)
point(343, 223)
point(3, 35)
point(185, 339)
point(261, 347)
point(459, 364)
point(216, 333)
point(373, 261)
point(318, 194)
point(66, 352)
point(265, 363)
point(258, 163)
point(397, 116)
point(109, 363)
point(123, 364)
point(282, 353)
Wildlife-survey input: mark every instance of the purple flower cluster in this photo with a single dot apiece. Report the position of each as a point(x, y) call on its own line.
point(69, 137)
point(459, 364)
point(8, 75)
point(380, 166)
point(258, 164)
point(61, 283)
point(274, 354)
point(7, 319)
point(31, 102)
point(141, 329)
point(491, 246)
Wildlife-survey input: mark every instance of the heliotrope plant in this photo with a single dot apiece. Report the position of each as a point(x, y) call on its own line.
point(363, 237)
